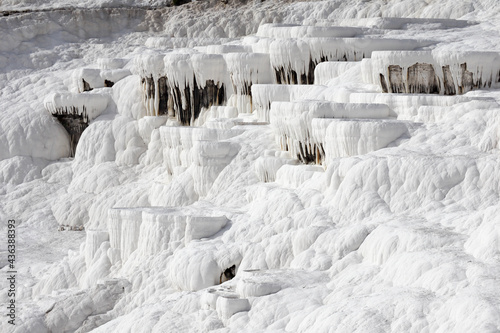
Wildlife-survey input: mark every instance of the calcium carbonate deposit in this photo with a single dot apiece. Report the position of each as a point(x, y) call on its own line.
point(250, 166)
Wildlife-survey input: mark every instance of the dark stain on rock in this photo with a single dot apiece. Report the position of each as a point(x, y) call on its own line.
point(150, 87)
point(86, 86)
point(74, 122)
point(396, 83)
point(467, 82)
point(189, 102)
point(228, 274)
point(289, 75)
point(163, 91)
point(310, 153)
point(383, 83)
point(422, 79)
point(286, 76)
point(449, 83)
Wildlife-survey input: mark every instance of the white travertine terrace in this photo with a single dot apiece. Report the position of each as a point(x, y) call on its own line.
point(310, 177)
point(246, 69)
point(147, 231)
point(264, 94)
point(294, 60)
point(271, 30)
point(292, 122)
point(326, 71)
point(86, 105)
point(436, 72)
point(346, 137)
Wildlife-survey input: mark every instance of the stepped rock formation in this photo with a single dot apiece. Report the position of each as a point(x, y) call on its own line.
point(75, 111)
point(322, 174)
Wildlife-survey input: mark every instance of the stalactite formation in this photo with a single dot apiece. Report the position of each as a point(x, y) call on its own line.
point(150, 87)
point(288, 75)
point(189, 102)
point(422, 79)
point(294, 61)
point(396, 84)
point(184, 102)
point(448, 82)
point(75, 112)
point(432, 72)
point(163, 98)
point(383, 84)
point(305, 151)
point(310, 153)
point(467, 82)
point(74, 122)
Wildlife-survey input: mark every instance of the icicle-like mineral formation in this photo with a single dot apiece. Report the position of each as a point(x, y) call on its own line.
point(151, 68)
point(405, 106)
point(292, 123)
point(182, 85)
point(211, 82)
point(199, 148)
point(273, 30)
point(294, 60)
point(75, 111)
point(348, 137)
point(246, 69)
point(326, 71)
point(264, 94)
point(400, 23)
point(433, 72)
point(146, 231)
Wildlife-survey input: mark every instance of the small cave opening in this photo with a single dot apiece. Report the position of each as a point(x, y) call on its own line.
point(86, 86)
point(228, 274)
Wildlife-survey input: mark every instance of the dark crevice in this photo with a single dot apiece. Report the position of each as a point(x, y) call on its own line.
point(288, 75)
point(421, 78)
point(163, 91)
point(467, 83)
point(185, 102)
point(228, 274)
point(449, 83)
point(74, 123)
point(307, 153)
point(150, 87)
point(383, 83)
point(86, 86)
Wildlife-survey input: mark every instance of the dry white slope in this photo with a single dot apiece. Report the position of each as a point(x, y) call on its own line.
point(402, 239)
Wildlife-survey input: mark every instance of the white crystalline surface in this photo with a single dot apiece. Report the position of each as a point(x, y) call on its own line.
point(393, 226)
point(87, 105)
